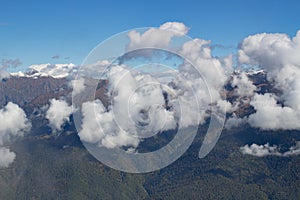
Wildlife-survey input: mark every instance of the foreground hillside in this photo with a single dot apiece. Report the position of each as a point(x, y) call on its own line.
point(49, 167)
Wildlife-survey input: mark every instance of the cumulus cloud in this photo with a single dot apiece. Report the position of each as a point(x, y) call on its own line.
point(268, 150)
point(201, 67)
point(270, 51)
point(211, 68)
point(278, 54)
point(58, 113)
point(156, 37)
point(6, 157)
point(78, 86)
point(270, 115)
point(138, 108)
point(14, 123)
point(108, 134)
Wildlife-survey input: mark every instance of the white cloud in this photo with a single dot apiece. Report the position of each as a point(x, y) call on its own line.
point(142, 95)
point(13, 121)
point(138, 108)
point(278, 54)
point(260, 150)
point(207, 73)
point(179, 28)
point(156, 37)
point(271, 116)
point(6, 157)
point(270, 50)
point(267, 150)
point(13, 124)
point(138, 101)
point(58, 114)
point(99, 127)
point(78, 86)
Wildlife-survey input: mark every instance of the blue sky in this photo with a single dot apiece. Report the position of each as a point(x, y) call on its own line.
point(35, 31)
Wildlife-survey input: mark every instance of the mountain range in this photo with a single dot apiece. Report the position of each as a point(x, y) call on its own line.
point(51, 165)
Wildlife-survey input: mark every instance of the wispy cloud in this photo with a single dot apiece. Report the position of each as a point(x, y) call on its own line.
point(55, 56)
point(6, 64)
point(10, 63)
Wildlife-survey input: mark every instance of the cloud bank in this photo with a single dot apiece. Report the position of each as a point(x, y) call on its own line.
point(142, 105)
